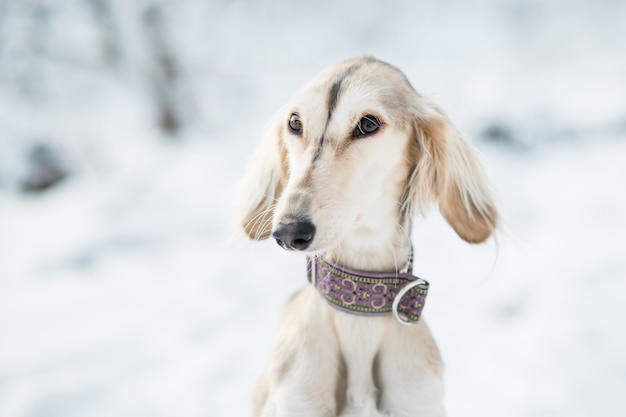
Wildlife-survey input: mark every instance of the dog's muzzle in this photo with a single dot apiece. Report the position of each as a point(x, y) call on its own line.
point(294, 235)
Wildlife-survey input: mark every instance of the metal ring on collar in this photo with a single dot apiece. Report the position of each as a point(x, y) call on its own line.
point(398, 297)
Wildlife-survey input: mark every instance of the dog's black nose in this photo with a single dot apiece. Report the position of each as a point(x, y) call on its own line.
point(296, 235)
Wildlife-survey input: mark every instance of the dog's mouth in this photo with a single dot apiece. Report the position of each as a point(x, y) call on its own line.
point(294, 234)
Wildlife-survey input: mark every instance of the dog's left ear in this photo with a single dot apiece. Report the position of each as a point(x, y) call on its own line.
point(263, 183)
point(446, 169)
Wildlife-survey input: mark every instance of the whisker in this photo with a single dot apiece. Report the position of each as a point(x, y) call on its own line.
point(262, 218)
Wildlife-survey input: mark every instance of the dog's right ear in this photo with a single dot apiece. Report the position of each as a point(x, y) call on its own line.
point(264, 180)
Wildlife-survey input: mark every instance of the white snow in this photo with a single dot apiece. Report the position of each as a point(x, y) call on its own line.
point(124, 293)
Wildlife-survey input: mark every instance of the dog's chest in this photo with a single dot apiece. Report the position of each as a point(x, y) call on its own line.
point(354, 330)
point(360, 339)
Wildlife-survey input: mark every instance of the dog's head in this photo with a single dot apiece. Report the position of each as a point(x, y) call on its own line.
point(357, 146)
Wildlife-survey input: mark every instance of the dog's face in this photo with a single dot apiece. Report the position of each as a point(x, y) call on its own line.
point(357, 147)
point(345, 151)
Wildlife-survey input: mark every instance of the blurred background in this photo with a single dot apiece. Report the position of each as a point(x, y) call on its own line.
point(124, 124)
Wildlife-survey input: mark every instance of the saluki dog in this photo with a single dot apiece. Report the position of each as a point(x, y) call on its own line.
point(339, 175)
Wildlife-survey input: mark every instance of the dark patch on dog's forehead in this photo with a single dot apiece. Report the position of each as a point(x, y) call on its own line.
point(335, 90)
point(333, 96)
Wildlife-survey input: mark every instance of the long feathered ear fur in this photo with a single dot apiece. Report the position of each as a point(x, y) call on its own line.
point(262, 184)
point(446, 170)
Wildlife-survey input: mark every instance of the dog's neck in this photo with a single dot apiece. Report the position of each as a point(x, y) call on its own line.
point(379, 242)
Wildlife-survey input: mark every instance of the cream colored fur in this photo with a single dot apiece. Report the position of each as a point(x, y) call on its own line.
point(360, 194)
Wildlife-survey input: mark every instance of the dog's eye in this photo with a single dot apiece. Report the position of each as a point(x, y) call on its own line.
point(295, 124)
point(367, 125)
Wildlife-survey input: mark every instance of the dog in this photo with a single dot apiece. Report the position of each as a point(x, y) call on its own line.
point(339, 176)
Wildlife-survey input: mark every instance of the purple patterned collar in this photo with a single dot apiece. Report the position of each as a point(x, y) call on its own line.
point(369, 293)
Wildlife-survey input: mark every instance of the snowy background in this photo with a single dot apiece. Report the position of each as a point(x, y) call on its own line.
point(124, 124)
